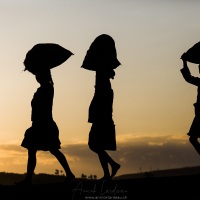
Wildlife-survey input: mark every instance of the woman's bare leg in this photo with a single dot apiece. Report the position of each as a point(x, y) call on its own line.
point(115, 166)
point(63, 161)
point(31, 164)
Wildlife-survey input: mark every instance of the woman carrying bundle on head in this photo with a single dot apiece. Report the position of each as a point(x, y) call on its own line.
point(101, 58)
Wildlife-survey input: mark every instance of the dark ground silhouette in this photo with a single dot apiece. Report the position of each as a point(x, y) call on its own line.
point(172, 187)
point(179, 183)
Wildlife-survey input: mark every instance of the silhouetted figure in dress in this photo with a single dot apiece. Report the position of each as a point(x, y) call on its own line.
point(101, 58)
point(194, 132)
point(102, 133)
point(44, 133)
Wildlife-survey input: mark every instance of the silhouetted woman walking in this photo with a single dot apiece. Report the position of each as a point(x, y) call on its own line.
point(194, 132)
point(101, 57)
point(44, 133)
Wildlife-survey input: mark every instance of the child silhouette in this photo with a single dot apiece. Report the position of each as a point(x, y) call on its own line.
point(101, 58)
point(44, 133)
point(194, 132)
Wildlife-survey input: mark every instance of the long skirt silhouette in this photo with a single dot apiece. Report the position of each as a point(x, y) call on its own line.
point(42, 136)
point(44, 133)
point(102, 134)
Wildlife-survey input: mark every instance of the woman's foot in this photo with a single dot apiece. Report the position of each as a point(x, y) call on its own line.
point(105, 178)
point(69, 178)
point(115, 168)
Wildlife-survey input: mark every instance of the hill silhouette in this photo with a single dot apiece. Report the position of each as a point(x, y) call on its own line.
point(183, 185)
point(195, 170)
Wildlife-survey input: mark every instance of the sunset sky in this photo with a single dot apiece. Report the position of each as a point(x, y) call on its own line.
point(153, 105)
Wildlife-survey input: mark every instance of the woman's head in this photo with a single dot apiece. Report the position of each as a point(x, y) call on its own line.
point(43, 76)
point(103, 44)
point(101, 54)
